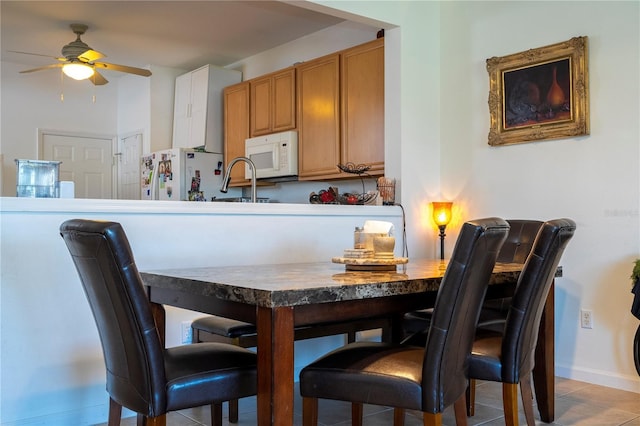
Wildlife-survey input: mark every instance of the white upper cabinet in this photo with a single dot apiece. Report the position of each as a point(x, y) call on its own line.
point(198, 110)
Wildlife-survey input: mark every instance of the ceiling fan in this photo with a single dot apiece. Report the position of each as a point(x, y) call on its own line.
point(80, 62)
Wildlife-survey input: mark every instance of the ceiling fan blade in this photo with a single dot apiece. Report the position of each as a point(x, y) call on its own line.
point(90, 56)
point(98, 79)
point(123, 68)
point(38, 54)
point(42, 68)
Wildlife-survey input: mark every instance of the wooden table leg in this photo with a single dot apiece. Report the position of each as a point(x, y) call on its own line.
point(275, 366)
point(544, 370)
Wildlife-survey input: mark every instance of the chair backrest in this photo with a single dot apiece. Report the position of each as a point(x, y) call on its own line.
point(130, 342)
point(516, 248)
point(527, 304)
point(519, 242)
point(456, 312)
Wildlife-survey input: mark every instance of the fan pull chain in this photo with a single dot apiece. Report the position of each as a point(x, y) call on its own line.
point(61, 86)
point(93, 97)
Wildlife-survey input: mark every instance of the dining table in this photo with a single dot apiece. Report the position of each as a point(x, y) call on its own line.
point(279, 297)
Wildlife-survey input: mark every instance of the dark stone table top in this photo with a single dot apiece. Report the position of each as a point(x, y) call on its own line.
point(297, 284)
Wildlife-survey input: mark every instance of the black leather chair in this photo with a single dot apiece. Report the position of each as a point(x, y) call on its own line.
point(493, 315)
point(635, 310)
point(508, 356)
point(515, 249)
point(427, 378)
point(213, 328)
point(142, 375)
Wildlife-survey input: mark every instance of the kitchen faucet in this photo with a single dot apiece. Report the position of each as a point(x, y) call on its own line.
point(227, 177)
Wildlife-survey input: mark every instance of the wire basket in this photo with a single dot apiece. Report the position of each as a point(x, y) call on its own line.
point(331, 196)
point(357, 199)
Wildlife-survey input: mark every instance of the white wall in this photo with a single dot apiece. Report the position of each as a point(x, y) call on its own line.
point(146, 105)
point(444, 121)
point(134, 107)
point(592, 179)
point(161, 109)
point(324, 42)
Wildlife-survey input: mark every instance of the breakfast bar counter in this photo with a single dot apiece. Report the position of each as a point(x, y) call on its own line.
point(41, 291)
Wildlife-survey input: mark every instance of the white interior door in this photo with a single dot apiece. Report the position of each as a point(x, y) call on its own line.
point(86, 160)
point(129, 175)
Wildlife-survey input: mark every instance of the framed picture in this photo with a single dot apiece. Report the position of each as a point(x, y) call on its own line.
point(539, 94)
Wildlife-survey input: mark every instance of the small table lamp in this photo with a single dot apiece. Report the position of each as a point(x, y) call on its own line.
point(442, 217)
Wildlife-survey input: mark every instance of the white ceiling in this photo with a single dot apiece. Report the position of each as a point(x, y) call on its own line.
point(178, 34)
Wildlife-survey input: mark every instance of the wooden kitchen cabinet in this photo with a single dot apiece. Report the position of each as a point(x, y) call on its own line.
point(336, 103)
point(236, 129)
point(318, 94)
point(272, 102)
point(197, 115)
point(362, 106)
point(341, 112)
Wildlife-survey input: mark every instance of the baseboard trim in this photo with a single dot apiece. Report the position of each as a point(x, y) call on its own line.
point(630, 383)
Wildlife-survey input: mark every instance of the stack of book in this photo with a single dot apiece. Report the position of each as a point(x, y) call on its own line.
point(358, 253)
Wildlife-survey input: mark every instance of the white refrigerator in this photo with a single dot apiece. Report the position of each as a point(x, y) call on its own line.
point(181, 174)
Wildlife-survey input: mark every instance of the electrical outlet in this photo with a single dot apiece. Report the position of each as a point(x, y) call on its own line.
point(586, 318)
point(186, 332)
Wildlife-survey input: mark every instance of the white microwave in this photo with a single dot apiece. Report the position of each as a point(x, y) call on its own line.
point(274, 155)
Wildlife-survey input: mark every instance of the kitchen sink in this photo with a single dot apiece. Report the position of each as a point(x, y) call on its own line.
point(239, 200)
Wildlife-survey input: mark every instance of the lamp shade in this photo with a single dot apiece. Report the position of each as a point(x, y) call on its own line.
point(78, 71)
point(441, 212)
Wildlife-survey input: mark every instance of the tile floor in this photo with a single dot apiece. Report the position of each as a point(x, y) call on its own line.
point(577, 403)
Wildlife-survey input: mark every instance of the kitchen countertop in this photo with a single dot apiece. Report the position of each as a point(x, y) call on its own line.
point(75, 205)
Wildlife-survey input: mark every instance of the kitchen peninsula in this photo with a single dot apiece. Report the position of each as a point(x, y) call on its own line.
point(43, 309)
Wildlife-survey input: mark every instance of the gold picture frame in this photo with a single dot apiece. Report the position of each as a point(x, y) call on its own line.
point(539, 94)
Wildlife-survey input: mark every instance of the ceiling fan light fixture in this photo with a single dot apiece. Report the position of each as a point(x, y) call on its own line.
point(79, 61)
point(78, 71)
